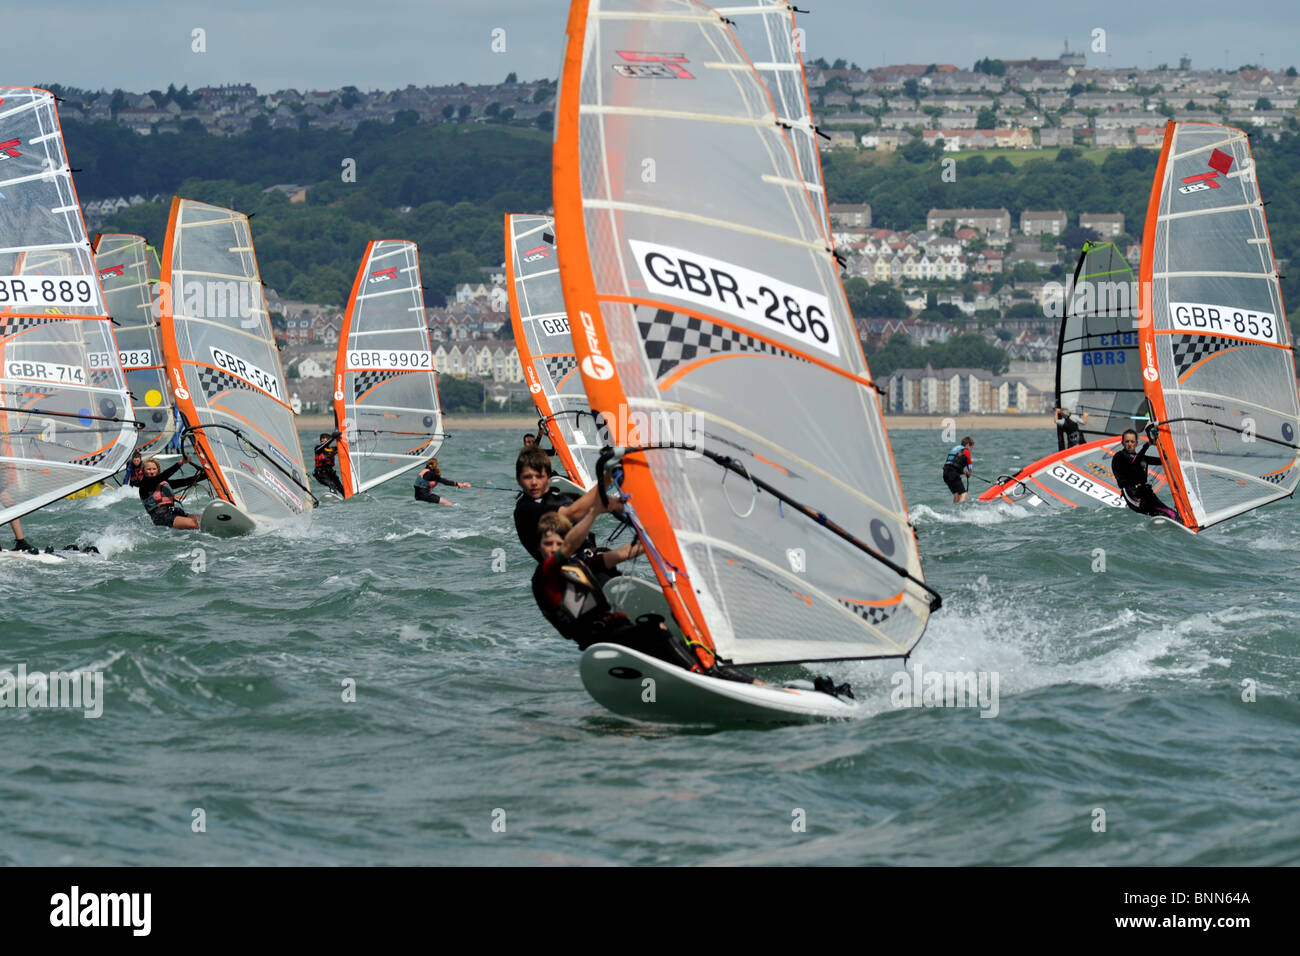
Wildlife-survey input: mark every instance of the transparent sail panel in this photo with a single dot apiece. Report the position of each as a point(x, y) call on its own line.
point(722, 316)
point(1224, 373)
point(386, 390)
point(545, 344)
point(65, 415)
point(224, 365)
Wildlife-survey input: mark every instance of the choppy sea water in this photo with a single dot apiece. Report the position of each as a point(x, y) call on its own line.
point(471, 740)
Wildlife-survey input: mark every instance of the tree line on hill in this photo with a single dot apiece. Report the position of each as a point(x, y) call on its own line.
point(459, 181)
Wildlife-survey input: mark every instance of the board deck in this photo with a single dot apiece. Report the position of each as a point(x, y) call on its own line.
point(42, 557)
point(224, 520)
point(633, 684)
point(564, 485)
point(637, 596)
point(1162, 522)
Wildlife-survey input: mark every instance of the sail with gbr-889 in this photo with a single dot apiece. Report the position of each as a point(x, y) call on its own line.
point(1217, 363)
point(707, 309)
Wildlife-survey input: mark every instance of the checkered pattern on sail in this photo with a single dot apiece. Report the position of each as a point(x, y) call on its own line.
point(672, 338)
point(1190, 349)
point(365, 381)
point(90, 461)
point(558, 366)
point(869, 612)
point(1279, 477)
point(215, 382)
point(13, 324)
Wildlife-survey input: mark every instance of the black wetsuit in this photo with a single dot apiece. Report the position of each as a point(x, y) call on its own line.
point(1130, 470)
point(424, 486)
point(1070, 431)
point(159, 498)
point(325, 473)
point(529, 511)
point(955, 465)
point(134, 474)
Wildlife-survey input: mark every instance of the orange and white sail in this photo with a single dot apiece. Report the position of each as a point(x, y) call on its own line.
point(223, 366)
point(128, 271)
point(385, 387)
point(707, 312)
point(65, 413)
point(1216, 350)
point(545, 344)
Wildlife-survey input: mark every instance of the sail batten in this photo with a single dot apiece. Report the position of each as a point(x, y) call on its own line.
point(385, 385)
point(713, 291)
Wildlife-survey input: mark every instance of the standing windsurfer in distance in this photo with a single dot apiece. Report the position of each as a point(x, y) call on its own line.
point(958, 463)
point(326, 452)
point(1129, 465)
point(1068, 423)
point(159, 495)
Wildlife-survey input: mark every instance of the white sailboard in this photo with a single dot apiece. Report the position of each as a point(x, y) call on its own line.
point(385, 387)
point(707, 306)
point(223, 366)
point(1217, 360)
point(65, 413)
point(1077, 477)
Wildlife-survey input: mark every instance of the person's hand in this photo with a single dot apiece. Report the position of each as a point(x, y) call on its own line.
point(1152, 431)
point(185, 459)
point(336, 434)
point(462, 484)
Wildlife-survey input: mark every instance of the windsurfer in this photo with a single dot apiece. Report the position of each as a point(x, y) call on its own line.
point(1068, 422)
point(535, 441)
point(533, 472)
point(326, 452)
point(159, 495)
point(135, 470)
point(1129, 466)
point(429, 476)
point(568, 592)
point(958, 463)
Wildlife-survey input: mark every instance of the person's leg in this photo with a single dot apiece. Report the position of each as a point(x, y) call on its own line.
point(185, 523)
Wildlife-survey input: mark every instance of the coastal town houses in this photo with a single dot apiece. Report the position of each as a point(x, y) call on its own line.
point(954, 391)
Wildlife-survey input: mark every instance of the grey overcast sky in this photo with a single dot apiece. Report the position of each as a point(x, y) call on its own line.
point(324, 44)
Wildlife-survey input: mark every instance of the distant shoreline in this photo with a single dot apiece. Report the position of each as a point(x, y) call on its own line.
point(528, 423)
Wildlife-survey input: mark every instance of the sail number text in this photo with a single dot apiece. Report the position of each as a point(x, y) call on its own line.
point(250, 373)
point(40, 290)
point(388, 360)
point(45, 372)
point(1203, 319)
point(722, 287)
point(134, 358)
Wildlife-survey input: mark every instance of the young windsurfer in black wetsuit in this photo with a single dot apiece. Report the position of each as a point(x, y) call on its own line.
point(568, 593)
point(959, 462)
point(326, 452)
point(135, 470)
point(429, 476)
point(158, 495)
point(1129, 465)
point(1068, 422)
point(535, 441)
